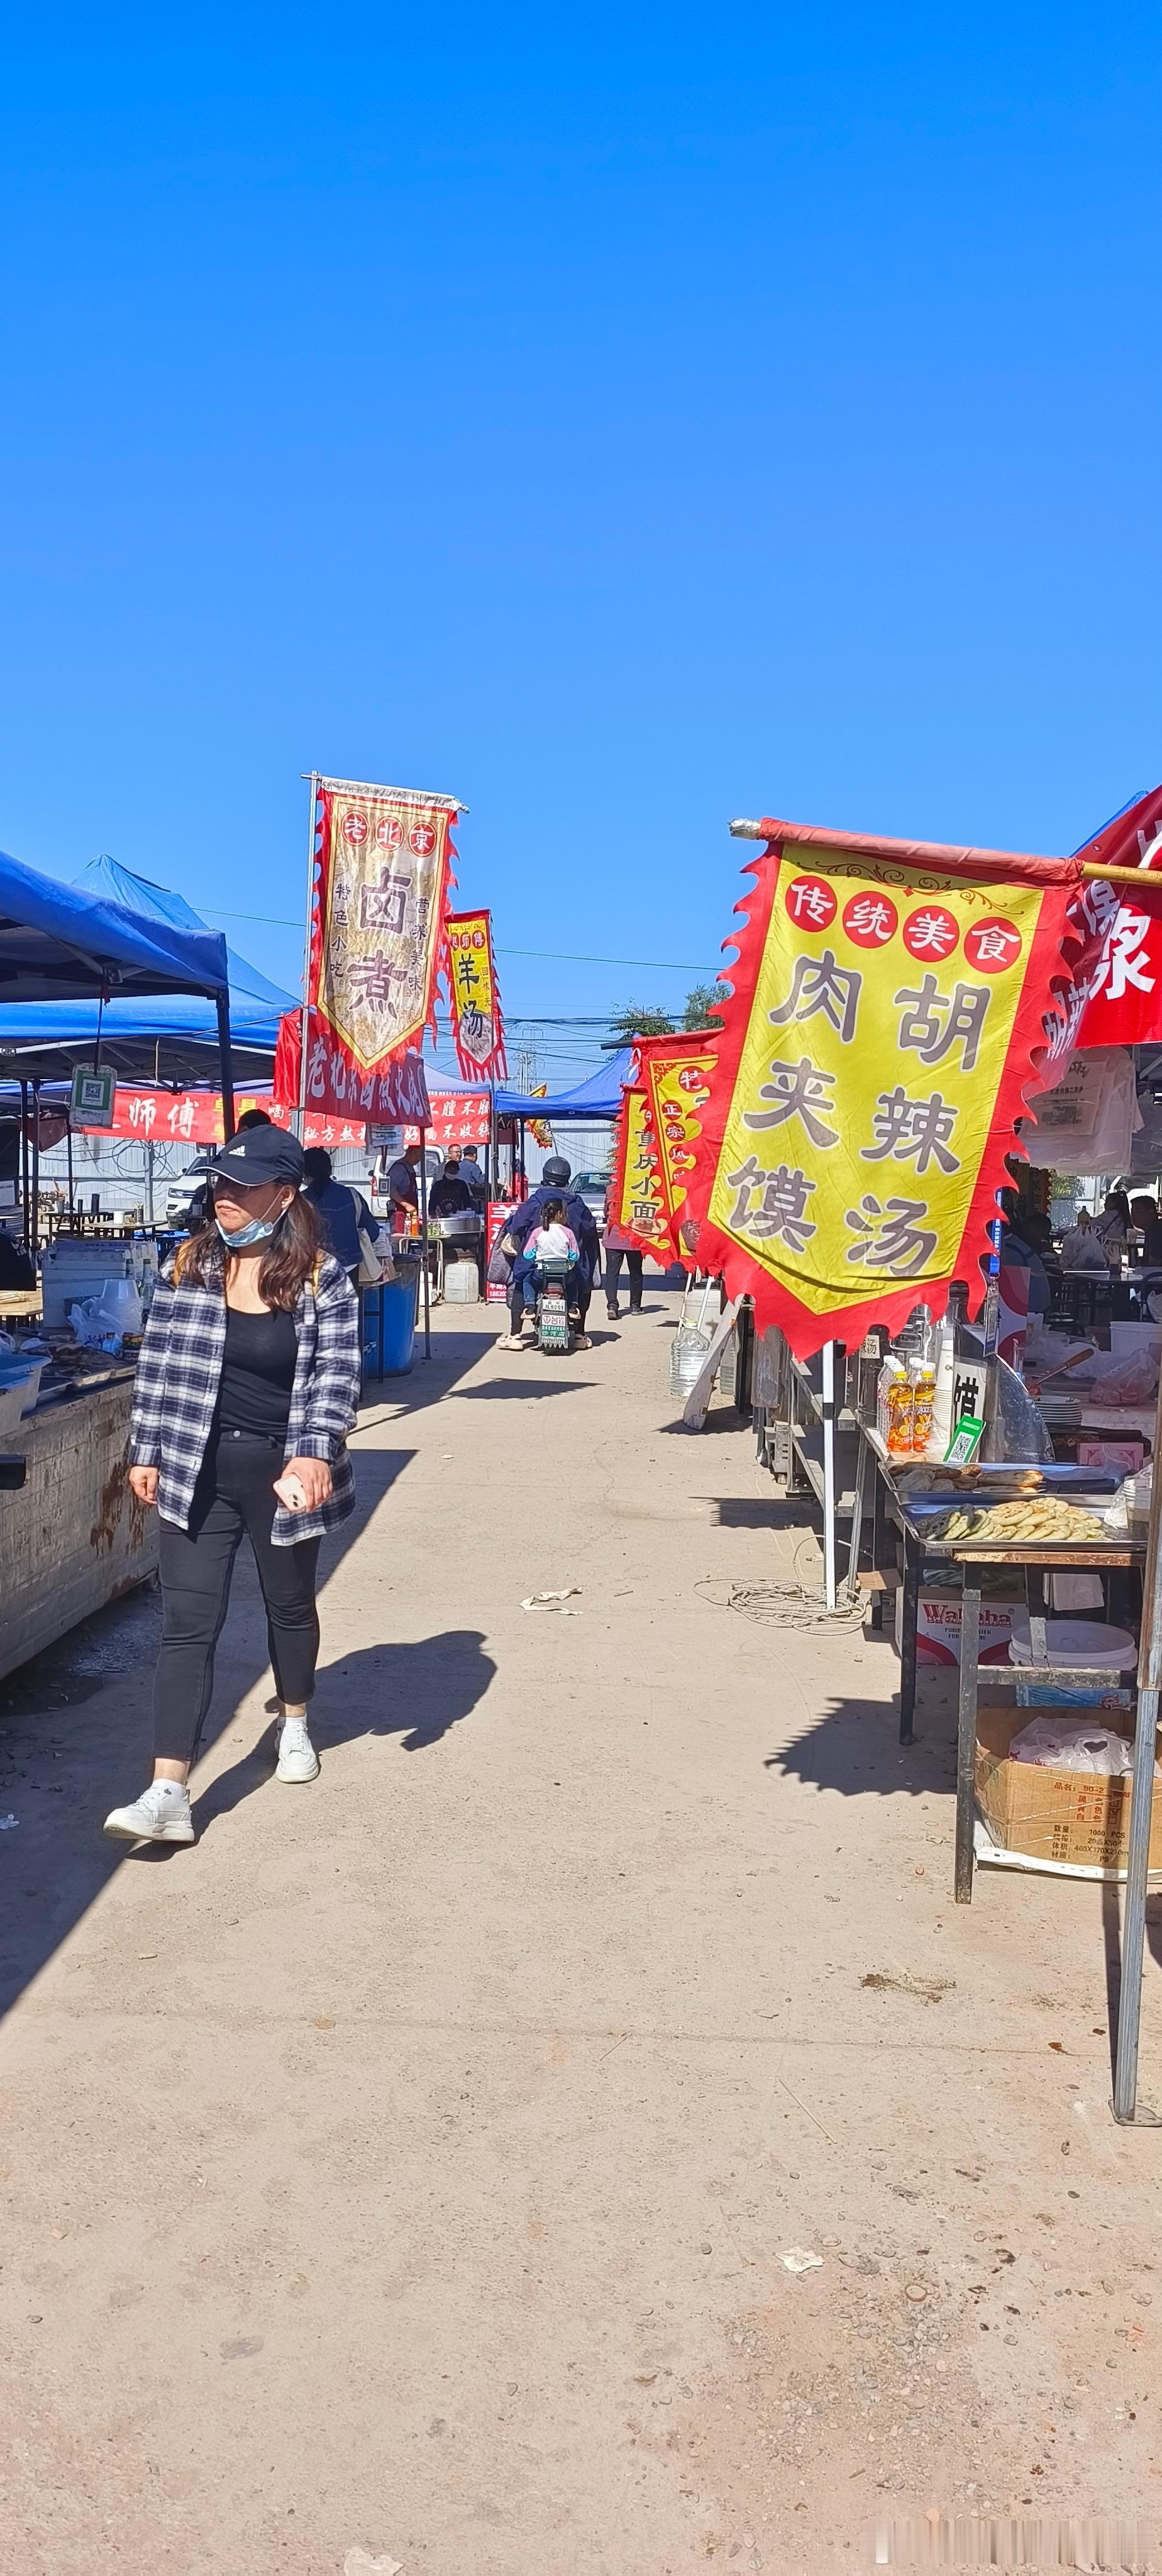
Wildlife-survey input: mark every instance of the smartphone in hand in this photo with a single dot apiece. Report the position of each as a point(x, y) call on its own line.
point(292, 1492)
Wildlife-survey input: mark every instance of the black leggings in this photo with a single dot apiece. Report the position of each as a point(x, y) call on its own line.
point(633, 1263)
point(233, 1494)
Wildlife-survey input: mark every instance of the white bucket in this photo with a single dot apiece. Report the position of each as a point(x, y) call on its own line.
point(1085, 1645)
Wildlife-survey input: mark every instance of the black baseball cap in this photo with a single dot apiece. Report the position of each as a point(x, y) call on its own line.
point(255, 1155)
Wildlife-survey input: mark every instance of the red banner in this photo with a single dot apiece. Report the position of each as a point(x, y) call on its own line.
point(457, 1118)
point(382, 873)
point(474, 994)
point(1123, 996)
point(195, 1118)
point(890, 1009)
point(398, 1091)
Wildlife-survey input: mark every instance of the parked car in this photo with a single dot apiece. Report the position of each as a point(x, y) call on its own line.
point(592, 1186)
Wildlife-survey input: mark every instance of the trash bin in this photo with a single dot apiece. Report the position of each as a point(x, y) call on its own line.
point(398, 1300)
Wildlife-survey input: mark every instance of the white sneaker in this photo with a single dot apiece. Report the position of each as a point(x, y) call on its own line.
point(297, 1758)
point(160, 1815)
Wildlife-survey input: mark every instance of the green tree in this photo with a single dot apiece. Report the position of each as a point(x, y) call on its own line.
point(701, 1005)
point(635, 1021)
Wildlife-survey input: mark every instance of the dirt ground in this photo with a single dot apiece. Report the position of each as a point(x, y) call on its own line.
point(404, 2176)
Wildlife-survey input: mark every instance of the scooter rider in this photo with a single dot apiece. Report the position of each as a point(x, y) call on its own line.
point(580, 1219)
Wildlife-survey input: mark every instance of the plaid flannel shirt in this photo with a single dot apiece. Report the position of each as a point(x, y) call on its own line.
point(179, 1372)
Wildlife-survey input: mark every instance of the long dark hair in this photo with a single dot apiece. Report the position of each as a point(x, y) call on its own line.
point(288, 1260)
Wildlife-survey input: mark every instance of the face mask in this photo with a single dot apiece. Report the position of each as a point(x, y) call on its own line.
point(258, 1230)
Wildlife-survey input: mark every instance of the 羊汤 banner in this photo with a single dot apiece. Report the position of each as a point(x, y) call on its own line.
point(383, 858)
point(474, 998)
point(884, 1024)
point(333, 1089)
point(638, 1196)
point(675, 1074)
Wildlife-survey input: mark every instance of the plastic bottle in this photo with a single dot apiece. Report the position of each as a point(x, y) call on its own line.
point(922, 1377)
point(943, 1425)
point(892, 1370)
point(898, 1436)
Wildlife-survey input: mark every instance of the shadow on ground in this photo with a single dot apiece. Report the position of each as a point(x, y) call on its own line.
point(417, 1692)
point(853, 1747)
point(71, 1746)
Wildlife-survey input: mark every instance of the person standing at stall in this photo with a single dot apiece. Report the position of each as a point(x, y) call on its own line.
point(249, 1372)
point(342, 1211)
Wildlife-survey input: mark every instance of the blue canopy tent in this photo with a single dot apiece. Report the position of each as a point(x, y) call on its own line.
point(598, 1097)
point(60, 945)
point(175, 1041)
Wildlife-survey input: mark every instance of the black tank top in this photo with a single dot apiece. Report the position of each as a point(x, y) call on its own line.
point(258, 1372)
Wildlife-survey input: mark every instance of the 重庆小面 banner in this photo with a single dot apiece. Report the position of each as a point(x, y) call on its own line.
point(474, 999)
point(640, 1209)
point(383, 857)
point(873, 1062)
point(675, 1074)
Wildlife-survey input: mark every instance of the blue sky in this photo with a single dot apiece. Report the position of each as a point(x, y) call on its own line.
point(621, 423)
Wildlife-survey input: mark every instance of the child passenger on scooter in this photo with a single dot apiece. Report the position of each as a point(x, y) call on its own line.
point(552, 1240)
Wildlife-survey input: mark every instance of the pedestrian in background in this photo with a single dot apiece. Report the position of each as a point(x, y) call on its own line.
point(616, 1247)
point(342, 1210)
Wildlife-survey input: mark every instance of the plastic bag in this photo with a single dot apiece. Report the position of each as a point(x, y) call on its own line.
point(1123, 1377)
point(1074, 1744)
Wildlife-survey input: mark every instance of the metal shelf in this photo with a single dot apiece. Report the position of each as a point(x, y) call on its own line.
point(808, 1447)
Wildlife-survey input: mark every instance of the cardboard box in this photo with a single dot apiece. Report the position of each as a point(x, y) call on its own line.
point(938, 1614)
point(1055, 1815)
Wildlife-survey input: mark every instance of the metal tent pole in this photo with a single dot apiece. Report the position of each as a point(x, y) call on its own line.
point(24, 1163)
point(299, 1118)
point(35, 1246)
point(829, 1474)
point(424, 1243)
point(1125, 2103)
point(222, 1001)
point(69, 1161)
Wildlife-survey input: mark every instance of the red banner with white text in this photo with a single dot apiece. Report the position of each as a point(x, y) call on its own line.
point(1123, 1003)
point(195, 1118)
point(396, 1092)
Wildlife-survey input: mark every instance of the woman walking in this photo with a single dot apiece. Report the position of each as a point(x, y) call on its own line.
point(248, 1373)
point(616, 1247)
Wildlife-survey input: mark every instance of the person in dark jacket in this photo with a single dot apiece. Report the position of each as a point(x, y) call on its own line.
point(450, 1195)
point(343, 1214)
point(582, 1222)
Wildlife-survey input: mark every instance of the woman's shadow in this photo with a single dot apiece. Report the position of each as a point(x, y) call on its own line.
point(416, 1692)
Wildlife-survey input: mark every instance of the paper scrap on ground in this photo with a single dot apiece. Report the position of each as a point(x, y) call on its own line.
point(554, 1600)
point(799, 2258)
point(358, 2562)
point(6, 1823)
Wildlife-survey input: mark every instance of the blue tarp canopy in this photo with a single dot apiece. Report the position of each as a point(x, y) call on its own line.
point(172, 1040)
point(57, 944)
point(598, 1097)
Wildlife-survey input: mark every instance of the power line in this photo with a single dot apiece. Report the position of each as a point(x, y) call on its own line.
point(558, 956)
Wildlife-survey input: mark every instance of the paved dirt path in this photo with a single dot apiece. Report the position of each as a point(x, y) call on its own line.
point(409, 2167)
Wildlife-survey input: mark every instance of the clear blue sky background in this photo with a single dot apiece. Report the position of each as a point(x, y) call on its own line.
point(623, 420)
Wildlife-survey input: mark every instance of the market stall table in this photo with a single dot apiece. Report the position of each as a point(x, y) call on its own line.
point(922, 1547)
